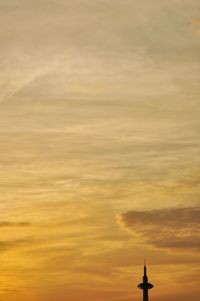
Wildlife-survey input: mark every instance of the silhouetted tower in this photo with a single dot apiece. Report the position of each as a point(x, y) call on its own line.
point(145, 285)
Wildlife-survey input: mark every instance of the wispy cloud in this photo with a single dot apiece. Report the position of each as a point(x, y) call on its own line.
point(14, 224)
point(18, 243)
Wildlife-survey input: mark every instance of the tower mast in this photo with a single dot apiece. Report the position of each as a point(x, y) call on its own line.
point(145, 285)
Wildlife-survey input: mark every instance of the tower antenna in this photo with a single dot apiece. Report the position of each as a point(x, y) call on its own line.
point(145, 285)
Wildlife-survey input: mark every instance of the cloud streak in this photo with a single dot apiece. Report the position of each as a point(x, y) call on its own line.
point(4, 224)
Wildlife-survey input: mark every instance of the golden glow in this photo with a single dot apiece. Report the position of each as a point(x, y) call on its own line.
point(99, 156)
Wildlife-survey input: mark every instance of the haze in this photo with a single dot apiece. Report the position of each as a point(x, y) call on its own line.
point(99, 156)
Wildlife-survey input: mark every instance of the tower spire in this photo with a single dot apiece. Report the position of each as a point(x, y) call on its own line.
point(145, 285)
point(145, 268)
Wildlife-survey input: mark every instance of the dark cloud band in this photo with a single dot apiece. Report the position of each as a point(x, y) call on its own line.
point(175, 228)
point(14, 224)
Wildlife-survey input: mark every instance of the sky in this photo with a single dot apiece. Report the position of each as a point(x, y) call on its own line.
point(99, 156)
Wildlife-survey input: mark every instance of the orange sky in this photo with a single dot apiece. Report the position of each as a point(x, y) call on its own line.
point(99, 156)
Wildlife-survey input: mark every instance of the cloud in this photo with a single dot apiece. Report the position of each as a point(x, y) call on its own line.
point(175, 228)
point(12, 244)
point(14, 224)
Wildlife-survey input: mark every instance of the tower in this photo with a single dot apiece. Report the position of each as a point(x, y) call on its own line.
point(145, 285)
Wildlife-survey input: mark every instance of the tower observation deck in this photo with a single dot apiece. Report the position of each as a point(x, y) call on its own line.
point(145, 285)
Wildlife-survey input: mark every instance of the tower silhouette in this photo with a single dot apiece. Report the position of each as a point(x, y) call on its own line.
point(145, 285)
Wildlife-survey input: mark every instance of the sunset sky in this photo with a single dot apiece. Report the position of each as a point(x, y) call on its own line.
point(99, 149)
